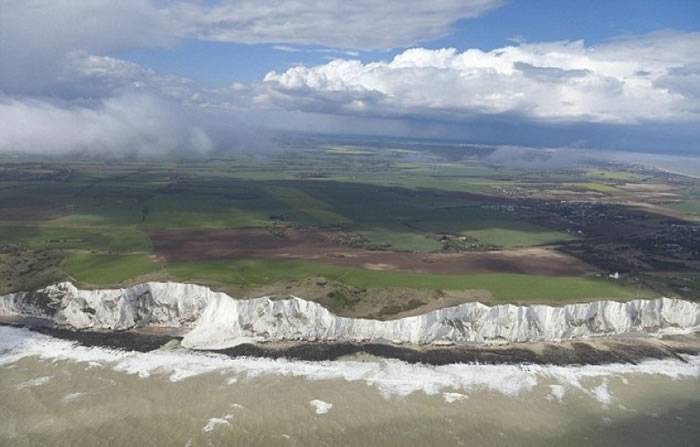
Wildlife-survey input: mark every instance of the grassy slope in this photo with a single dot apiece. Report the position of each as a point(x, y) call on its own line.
point(503, 286)
point(108, 269)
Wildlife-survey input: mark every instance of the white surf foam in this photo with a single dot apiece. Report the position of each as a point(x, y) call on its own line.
point(320, 406)
point(453, 397)
point(602, 393)
point(72, 397)
point(34, 382)
point(213, 423)
point(556, 392)
point(390, 377)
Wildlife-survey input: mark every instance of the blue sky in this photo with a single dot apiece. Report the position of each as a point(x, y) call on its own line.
point(218, 64)
point(158, 76)
point(593, 20)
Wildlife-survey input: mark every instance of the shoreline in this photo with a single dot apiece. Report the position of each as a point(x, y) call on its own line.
point(590, 351)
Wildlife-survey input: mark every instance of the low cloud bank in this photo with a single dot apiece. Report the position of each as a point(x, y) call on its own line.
point(130, 123)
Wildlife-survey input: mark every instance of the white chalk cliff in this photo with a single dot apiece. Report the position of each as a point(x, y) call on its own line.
point(212, 320)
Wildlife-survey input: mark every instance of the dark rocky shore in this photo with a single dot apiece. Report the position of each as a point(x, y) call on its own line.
point(126, 340)
point(565, 353)
point(595, 351)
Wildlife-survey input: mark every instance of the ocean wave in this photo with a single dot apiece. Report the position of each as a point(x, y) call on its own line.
point(390, 377)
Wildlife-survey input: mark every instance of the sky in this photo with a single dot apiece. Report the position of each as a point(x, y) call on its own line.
point(156, 76)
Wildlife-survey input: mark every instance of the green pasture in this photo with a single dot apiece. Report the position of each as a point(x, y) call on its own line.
point(116, 239)
point(503, 286)
point(103, 269)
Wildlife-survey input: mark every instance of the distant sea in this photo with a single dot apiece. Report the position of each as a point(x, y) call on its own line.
point(684, 165)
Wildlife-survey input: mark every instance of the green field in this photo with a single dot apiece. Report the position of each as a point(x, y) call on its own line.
point(517, 236)
point(490, 227)
point(623, 176)
point(690, 207)
point(689, 203)
point(306, 209)
point(591, 186)
point(505, 287)
point(108, 269)
point(400, 240)
point(116, 240)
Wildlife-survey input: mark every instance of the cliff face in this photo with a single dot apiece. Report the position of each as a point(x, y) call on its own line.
point(215, 320)
point(148, 304)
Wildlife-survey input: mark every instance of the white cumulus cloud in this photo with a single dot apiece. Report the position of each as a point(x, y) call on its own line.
point(646, 78)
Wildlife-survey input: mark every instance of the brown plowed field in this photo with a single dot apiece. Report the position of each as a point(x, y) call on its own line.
point(321, 246)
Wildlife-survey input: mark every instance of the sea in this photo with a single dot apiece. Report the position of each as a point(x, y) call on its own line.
point(678, 164)
point(57, 393)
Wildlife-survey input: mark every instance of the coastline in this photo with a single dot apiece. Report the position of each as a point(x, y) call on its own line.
point(591, 351)
point(192, 318)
